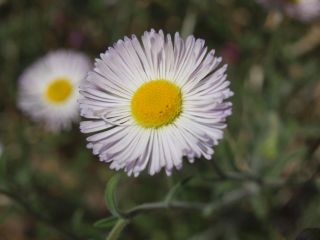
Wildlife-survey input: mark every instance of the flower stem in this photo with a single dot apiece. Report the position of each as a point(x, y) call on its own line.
point(147, 207)
point(117, 229)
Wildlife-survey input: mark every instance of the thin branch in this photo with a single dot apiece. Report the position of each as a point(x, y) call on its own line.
point(147, 207)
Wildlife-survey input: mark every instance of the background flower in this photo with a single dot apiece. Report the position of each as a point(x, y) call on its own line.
point(48, 90)
point(304, 10)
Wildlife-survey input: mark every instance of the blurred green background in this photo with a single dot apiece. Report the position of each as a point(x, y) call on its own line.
point(263, 182)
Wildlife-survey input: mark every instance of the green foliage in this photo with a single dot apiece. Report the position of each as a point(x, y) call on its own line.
point(118, 228)
point(110, 196)
point(262, 182)
point(106, 222)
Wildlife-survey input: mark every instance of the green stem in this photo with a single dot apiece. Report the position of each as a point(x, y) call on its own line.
point(207, 208)
point(147, 207)
point(117, 229)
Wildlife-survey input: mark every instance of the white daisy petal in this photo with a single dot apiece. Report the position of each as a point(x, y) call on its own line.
point(151, 103)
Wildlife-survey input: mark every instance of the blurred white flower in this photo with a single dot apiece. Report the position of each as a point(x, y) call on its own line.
point(303, 10)
point(48, 89)
point(152, 103)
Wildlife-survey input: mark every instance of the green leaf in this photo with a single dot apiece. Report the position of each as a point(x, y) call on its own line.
point(106, 222)
point(110, 196)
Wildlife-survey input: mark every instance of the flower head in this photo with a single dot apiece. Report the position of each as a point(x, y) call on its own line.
point(48, 90)
point(151, 103)
point(303, 10)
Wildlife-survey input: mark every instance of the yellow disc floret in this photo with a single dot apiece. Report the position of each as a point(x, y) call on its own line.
point(156, 103)
point(59, 90)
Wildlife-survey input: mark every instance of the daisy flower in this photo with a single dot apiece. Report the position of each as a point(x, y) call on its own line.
point(48, 89)
point(150, 103)
point(303, 10)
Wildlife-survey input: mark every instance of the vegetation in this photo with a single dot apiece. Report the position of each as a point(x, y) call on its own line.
point(263, 181)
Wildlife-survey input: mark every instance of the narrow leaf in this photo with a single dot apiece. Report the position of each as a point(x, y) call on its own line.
point(106, 222)
point(110, 196)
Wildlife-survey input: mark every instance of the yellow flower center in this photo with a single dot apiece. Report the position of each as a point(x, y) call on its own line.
point(156, 103)
point(59, 90)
